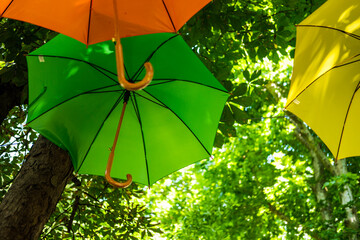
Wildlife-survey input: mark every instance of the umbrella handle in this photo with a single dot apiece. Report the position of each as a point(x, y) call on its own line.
point(120, 61)
point(111, 158)
point(111, 180)
point(121, 72)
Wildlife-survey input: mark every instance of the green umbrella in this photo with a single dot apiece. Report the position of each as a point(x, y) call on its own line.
point(76, 101)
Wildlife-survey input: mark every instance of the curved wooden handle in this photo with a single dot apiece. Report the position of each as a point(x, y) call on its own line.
point(120, 62)
point(119, 184)
point(139, 85)
point(121, 72)
point(111, 180)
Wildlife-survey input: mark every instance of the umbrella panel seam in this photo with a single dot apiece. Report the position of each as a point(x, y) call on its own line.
point(334, 67)
point(89, 23)
point(168, 80)
point(1, 15)
point(332, 28)
point(38, 97)
point(139, 71)
point(96, 67)
point(69, 99)
point(182, 122)
point(137, 111)
point(346, 116)
point(167, 11)
point(101, 126)
point(160, 104)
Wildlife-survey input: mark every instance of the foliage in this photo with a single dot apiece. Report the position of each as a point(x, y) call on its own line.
point(260, 182)
point(255, 187)
point(15, 143)
point(89, 207)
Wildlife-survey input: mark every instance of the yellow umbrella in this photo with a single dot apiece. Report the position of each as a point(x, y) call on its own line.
point(326, 76)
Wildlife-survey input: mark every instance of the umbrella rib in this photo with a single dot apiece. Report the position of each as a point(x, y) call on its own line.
point(337, 66)
point(332, 28)
point(346, 116)
point(96, 67)
point(1, 15)
point(150, 100)
point(138, 72)
point(167, 80)
point(137, 111)
point(73, 97)
point(167, 11)
point(118, 90)
point(38, 97)
point(127, 73)
point(181, 121)
point(89, 23)
point(102, 124)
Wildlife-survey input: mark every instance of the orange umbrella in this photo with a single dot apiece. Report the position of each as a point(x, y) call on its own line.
point(93, 21)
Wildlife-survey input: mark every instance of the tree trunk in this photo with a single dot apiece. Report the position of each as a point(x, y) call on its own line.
point(320, 193)
point(35, 191)
point(352, 220)
point(318, 162)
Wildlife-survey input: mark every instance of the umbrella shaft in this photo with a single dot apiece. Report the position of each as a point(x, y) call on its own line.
point(116, 16)
point(111, 157)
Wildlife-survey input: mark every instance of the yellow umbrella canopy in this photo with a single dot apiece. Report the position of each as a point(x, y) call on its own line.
point(326, 76)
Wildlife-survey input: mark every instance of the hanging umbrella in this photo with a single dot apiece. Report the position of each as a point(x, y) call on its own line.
point(75, 101)
point(326, 76)
point(93, 21)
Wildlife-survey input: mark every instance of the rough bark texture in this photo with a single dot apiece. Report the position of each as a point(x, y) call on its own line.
point(320, 192)
point(35, 191)
point(318, 159)
point(352, 220)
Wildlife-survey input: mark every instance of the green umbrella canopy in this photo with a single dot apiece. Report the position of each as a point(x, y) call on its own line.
point(75, 101)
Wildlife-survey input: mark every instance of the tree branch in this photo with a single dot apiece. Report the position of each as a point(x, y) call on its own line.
point(310, 143)
point(71, 219)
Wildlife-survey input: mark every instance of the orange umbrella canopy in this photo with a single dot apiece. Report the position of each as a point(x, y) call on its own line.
point(92, 21)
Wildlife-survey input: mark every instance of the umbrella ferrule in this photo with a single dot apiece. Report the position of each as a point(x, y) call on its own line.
point(126, 96)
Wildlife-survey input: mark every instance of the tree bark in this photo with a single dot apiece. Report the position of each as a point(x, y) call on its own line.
point(320, 193)
point(352, 220)
point(319, 161)
point(35, 191)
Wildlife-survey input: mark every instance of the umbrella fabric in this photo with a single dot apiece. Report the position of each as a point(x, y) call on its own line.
point(92, 21)
point(75, 101)
point(326, 76)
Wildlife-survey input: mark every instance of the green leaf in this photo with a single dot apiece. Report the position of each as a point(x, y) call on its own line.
point(219, 140)
point(240, 90)
point(227, 116)
point(255, 74)
point(246, 75)
point(243, 101)
point(228, 85)
point(239, 115)
point(227, 130)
